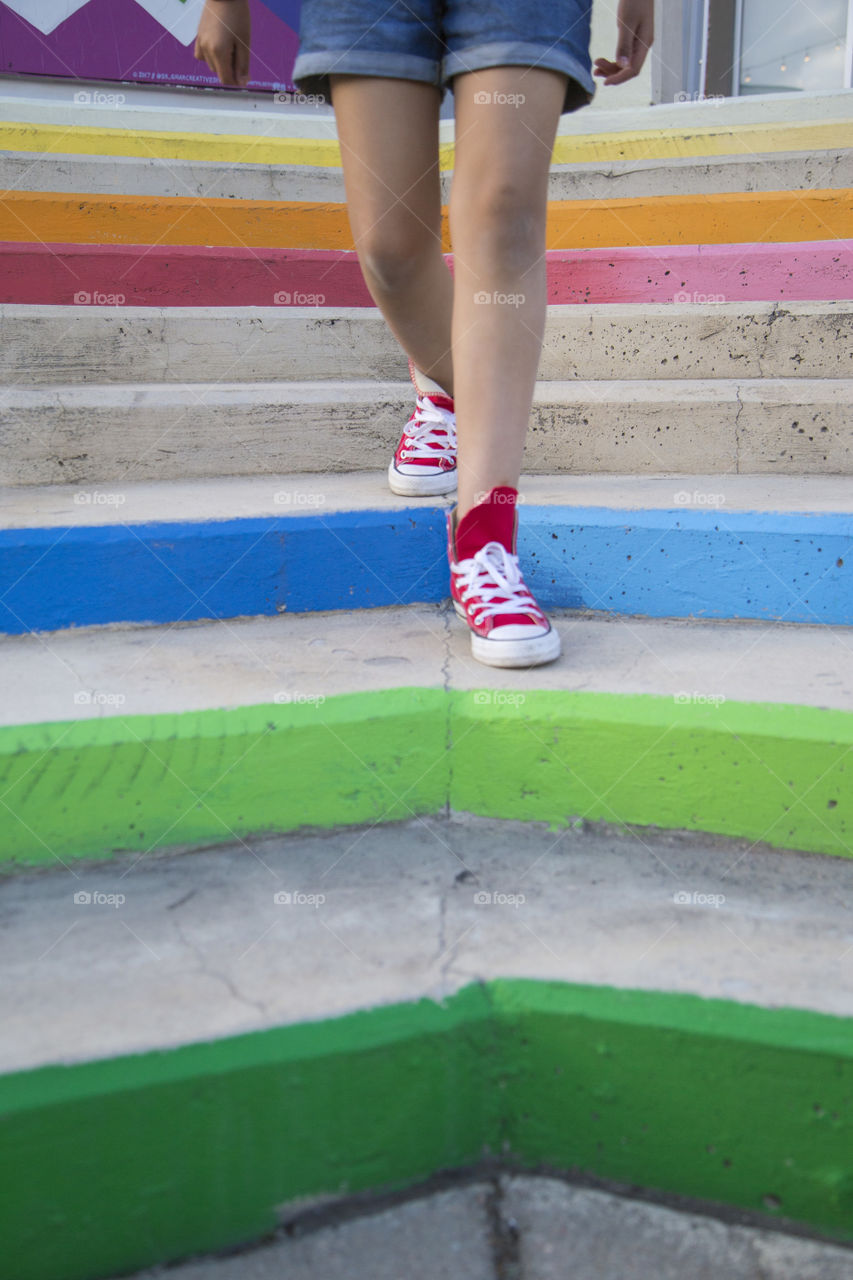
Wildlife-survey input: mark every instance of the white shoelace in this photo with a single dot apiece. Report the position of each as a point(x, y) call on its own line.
point(422, 431)
point(492, 572)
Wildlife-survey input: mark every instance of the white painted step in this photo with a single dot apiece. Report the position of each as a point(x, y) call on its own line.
point(115, 432)
point(152, 176)
point(225, 498)
point(59, 344)
point(85, 672)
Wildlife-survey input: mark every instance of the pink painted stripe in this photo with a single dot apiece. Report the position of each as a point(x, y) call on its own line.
point(163, 275)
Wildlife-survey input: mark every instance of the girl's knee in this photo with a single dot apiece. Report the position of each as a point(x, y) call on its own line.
point(501, 219)
point(392, 258)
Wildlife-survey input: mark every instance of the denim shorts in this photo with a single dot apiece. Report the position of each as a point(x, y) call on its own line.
point(434, 40)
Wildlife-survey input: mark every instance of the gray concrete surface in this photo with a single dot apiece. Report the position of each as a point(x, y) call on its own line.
point(172, 949)
point(146, 175)
point(139, 431)
point(445, 1236)
point(569, 1233)
point(227, 497)
point(59, 344)
point(84, 672)
point(549, 1230)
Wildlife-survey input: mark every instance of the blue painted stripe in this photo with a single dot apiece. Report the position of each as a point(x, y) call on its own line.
point(661, 563)
point(679, 564)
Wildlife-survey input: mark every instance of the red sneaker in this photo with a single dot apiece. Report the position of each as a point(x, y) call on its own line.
point(425, 462)
point(508, 629)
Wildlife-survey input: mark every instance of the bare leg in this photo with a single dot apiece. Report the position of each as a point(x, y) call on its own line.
point(506, 122)
point(388, 131)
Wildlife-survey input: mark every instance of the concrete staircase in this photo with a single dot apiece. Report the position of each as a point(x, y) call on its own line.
point(222, 632)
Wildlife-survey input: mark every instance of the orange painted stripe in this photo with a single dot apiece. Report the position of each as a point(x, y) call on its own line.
point(730, 218)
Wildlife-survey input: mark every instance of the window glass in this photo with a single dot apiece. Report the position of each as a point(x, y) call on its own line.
point(797, 46)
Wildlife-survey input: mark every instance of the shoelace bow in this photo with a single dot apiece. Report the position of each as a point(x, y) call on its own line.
point(494, 576)
point(429, 425)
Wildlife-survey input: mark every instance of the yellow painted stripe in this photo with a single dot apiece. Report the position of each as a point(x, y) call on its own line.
point(658, 144)
point(729, 218)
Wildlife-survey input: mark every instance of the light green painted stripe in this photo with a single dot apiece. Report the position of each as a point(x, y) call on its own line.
point(116, 1165)
point(766, 772)
point(89, 788)
point(769, 772)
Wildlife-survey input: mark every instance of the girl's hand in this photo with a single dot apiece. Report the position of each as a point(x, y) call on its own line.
point(223, 40)
point(635, 20)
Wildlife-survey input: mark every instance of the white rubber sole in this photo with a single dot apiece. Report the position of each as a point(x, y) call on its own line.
point(421, 486)
point(513, 653)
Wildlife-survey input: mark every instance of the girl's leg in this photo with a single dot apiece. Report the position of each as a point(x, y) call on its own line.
point(506, 123)
point(388, 131)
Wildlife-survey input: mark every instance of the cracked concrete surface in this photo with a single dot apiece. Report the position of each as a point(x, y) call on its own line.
point(174, 949)
point(521, 1228)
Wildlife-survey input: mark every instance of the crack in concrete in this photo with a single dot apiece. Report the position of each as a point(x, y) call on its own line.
point(740, 408)
point(504, 1234)
point(208, 972)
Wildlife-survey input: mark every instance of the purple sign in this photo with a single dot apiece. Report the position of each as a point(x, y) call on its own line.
point(145, 40)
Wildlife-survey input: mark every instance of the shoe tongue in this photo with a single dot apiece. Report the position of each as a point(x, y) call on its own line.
point(440, 401)
point(492, 520)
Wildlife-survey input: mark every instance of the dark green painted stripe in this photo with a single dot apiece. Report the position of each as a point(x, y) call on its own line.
point(765, 772)
point(115, 1165)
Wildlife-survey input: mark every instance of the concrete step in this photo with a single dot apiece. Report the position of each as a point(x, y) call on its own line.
point(292, 545)
point(219, 731)
point(61, 344)
point(170, 177)
point(112, 433)
point(213, 276)
point(556, 1230)
point(277, 1025)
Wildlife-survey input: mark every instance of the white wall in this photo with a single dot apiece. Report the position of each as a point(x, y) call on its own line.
point(634, 93)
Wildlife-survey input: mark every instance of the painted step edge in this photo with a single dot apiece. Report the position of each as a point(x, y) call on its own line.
point(772, 773)
point(226, 1135)
point(766, 565)
point(696, 137)
point(730, 217)
point(160, 275)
